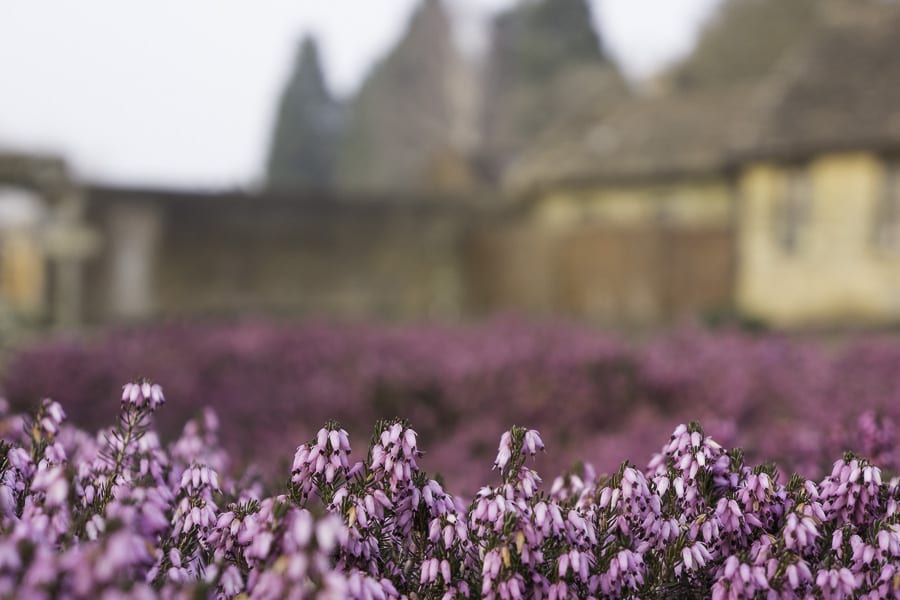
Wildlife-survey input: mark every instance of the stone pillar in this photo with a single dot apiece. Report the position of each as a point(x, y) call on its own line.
point(133, 245)
point(68, 305)
point(68, 242)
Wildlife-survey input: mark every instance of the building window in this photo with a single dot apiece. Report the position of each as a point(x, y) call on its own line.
point(886, 226)
point(792, 211)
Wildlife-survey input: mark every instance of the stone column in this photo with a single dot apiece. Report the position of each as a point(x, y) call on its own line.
point(134, 236)
point(68, 242)
point(68, 305)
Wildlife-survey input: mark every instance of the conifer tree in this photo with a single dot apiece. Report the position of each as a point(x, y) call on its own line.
point(546, 60)
point(307, 129)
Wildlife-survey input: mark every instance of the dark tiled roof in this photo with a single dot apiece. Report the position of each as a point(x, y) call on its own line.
point(834, 90)
point(746, 38)
point(682, 134)
point(840, 91)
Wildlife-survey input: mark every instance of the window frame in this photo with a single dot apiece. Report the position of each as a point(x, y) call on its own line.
point(885, 236)
point(793, 210)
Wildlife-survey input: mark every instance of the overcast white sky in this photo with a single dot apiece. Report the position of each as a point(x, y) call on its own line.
point(183, 92)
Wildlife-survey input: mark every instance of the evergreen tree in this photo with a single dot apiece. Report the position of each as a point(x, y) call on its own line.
point(307, 129)
point(546, 61)
point(535, 39)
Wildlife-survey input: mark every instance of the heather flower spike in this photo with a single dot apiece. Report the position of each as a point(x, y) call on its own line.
point(143, 394)
point(516, 445)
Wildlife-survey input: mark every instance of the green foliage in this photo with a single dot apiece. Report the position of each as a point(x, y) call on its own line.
point(546, 63)
point(533, 41)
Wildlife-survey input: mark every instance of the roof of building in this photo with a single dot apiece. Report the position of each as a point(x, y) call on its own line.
point(688, 133)
point(837, 87)
point(840, 91)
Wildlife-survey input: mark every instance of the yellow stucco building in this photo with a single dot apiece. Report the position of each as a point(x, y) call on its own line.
point(819, 242)
point(818, 192)
point(796, 155)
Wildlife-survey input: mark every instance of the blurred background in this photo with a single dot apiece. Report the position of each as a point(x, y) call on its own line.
point(602, 217)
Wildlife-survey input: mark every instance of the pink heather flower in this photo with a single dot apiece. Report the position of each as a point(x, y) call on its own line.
point(393, 458)
point(199, 477)
point(330, 532)
point(799, 532)
point(698, 521)
point(504, 451)
point(838, 583)
point(51, 417)
point(55, 453)
point(798, 574)
point(143, 395)
point(533, 442)
point(231, 583)
point(52, 481)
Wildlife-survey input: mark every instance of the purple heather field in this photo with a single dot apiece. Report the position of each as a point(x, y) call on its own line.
point(152, 507)
point(595, 397)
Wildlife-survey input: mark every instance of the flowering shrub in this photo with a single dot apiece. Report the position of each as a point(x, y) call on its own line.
point(119, 514)
point(782, 399)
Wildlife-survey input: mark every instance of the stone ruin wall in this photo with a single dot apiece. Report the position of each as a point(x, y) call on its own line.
point(111, 254)
point(396, 259)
